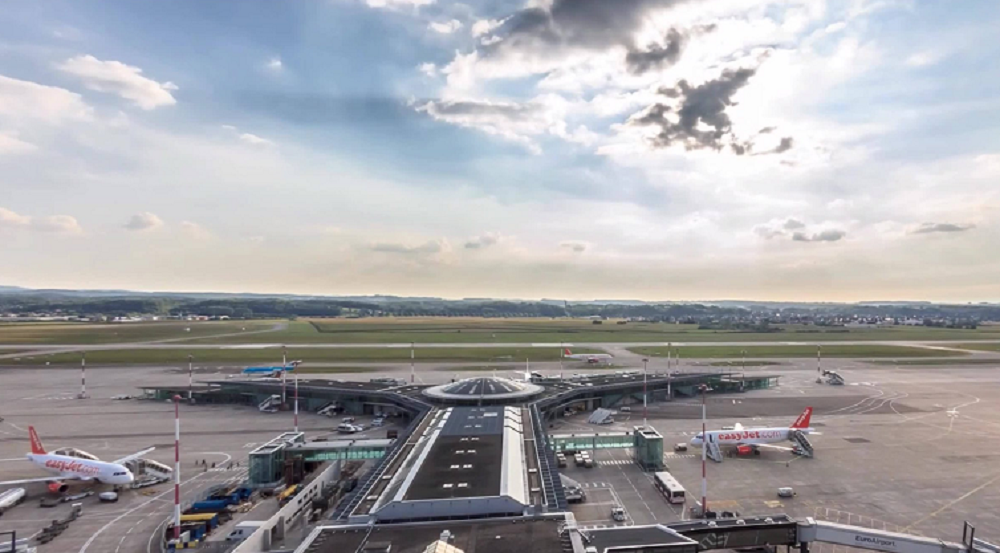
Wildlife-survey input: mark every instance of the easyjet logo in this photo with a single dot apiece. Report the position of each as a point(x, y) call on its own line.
point(750, 434)
point(63, 465)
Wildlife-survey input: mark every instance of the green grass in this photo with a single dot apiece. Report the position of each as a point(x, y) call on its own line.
point(94, 333)
point(979, 347)
point(273, 356)
point(931, 362)
point(863, 350)
point(748, 364)
point(500, 331)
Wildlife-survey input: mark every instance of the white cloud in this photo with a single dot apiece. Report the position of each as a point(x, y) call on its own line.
point(118, 78)
point(274, 64)
point(483, 26)
point(56, 224)
point(428, 69)
point(255, 140)
point(10, 145)
point(144, 221)
point(483, 241)
point(398, 3)
point(922, 59)
point(28, 101)
point(194, 230)
point(445, 28)
point(427, 248)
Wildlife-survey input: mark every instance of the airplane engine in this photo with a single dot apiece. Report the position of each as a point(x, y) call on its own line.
point(744, 450)
point(58, 487)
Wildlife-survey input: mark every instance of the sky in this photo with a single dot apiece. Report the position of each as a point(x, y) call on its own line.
point(811, 150)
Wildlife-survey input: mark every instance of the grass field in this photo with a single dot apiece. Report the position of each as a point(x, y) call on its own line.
point(479, 330)
point(932, 362)
point(748, 364)
point(273, 356)
point(89, 333)
point(980, 347)
point(862, 351)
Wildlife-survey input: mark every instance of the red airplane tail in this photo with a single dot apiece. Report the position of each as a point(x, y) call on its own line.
point(803, 420)
point(36, 444)
point(567, 351)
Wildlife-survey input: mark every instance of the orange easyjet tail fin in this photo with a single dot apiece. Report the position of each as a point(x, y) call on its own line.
point(36, 444)
point(803, 420)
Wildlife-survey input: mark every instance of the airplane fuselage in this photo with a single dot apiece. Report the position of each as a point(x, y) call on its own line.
point(748, 436)
point(74, 468)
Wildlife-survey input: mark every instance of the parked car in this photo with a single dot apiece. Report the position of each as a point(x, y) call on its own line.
point(786, 492)
point(680, 447)
point(625, 409)
point(108, 497)
point(618, 513)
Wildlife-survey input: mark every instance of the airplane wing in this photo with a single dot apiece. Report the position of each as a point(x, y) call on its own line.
point(33, 480)
point(133, 456)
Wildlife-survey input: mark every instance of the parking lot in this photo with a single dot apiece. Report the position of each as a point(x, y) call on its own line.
point(899, 449)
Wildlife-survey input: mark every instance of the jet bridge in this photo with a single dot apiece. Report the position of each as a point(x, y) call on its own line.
point(810, 530)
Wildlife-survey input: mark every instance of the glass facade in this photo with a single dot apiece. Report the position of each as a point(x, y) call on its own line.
point(616, 440)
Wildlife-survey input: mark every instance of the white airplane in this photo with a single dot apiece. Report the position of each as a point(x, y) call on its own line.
point(72, 464)
point(588, 357)
point(748, 440)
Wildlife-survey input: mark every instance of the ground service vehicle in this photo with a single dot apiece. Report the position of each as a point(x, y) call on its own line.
point(243, 530)
point(669, 487)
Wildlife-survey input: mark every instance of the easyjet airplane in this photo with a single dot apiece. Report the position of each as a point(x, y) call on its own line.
point(747, 440)
point(588, 357)
point(72, 464)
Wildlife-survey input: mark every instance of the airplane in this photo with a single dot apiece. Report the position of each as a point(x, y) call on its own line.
point(592, 358)
point(273, 372)
point(748, 440)
point(69, 464)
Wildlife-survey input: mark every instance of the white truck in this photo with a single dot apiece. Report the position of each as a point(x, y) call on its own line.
point(244, 529)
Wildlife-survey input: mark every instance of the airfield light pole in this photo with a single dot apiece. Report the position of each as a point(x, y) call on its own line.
point(177, 468)
point(284, 378)
point(744, 360)
point(645, 360)
point(819, 358)
point(296, 377)
point(83, 375)
point(668, 357)
point(412, 356)
point(704, 449)
point(190, 378)
point(561, 352)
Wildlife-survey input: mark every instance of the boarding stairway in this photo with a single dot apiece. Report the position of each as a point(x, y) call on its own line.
point(270, 405)
point(328, 409)
point(803, 447)
point(833, 378)
point(712, 449)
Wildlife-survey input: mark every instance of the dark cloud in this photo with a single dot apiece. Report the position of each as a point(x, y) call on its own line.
point(700, 106)
point(793, 224)
point(657, 56)
point(593, 24)
point(928, 228)
point(481, 242)
point(574, 246)
point(784, 146)
point(767, 232)
point(506, 110)
point(434, 246)
point(766, 130)
point(830, 235)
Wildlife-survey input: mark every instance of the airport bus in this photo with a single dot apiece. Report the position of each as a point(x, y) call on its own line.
point(669, 487)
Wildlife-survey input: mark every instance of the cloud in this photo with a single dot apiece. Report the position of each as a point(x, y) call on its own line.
point(923, 59)
point(255, 140)
point(428, 69)
point(767, 232)
point(274, 64)
point(10, 145)
point(657, 56)
point(445, 28)
point(574, 246)
point(195, 230)
point(143, 221)
point(928, 228)
point(430, 247)
point(830, 235)
point(56, 224)
point(484, 26)
point(510, 120)
point(701, 120)
point(483, 241)
point(26, 100)
point(118, 78)
point(398, 3)
point(793, 224)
